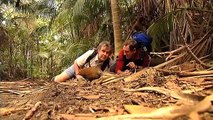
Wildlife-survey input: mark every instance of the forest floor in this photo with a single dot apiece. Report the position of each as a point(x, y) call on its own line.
point(150, 94)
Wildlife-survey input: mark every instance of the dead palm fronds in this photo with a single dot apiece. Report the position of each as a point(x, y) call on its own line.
point(192, 28)
point(192, 51)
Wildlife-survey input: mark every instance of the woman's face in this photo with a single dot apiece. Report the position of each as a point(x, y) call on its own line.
point(128, 53)
point(104, 52)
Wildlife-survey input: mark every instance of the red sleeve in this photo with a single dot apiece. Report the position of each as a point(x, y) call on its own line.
point(120, 61)
point(146, 60)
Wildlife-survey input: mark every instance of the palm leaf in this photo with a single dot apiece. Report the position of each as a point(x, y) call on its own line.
point(160, 29)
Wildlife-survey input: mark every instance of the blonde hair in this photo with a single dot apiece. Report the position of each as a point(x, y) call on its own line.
point(105, 43)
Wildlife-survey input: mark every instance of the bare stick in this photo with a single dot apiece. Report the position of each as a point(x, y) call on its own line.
point(208, 73)
point(114, 80)
point(10, 91)
point(170, 52)
point(196, 73)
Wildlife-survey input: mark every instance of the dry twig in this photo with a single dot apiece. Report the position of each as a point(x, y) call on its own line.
point(32, 111)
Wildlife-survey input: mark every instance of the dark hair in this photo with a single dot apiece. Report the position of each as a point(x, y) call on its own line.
point(132, 44)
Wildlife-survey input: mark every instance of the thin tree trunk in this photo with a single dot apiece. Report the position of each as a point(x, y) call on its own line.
point(10, 61)
point(116, 26)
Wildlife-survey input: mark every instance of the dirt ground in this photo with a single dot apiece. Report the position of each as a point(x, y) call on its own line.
point(103, 98)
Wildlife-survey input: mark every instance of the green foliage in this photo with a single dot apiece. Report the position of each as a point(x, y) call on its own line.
point(160, 31)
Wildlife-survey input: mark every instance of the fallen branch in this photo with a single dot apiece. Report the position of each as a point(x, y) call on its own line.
point(170, 52)
point(8, 83)
point(169, 112)
point(196, 73)
point(113, 80)
point(32, 111)
point(7, 111)
point(10, 91)
point(108, 79)
point(205, 77)
point(187, 74)
point(175, 94)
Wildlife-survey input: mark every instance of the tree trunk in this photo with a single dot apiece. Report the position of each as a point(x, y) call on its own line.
point(116, 26)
